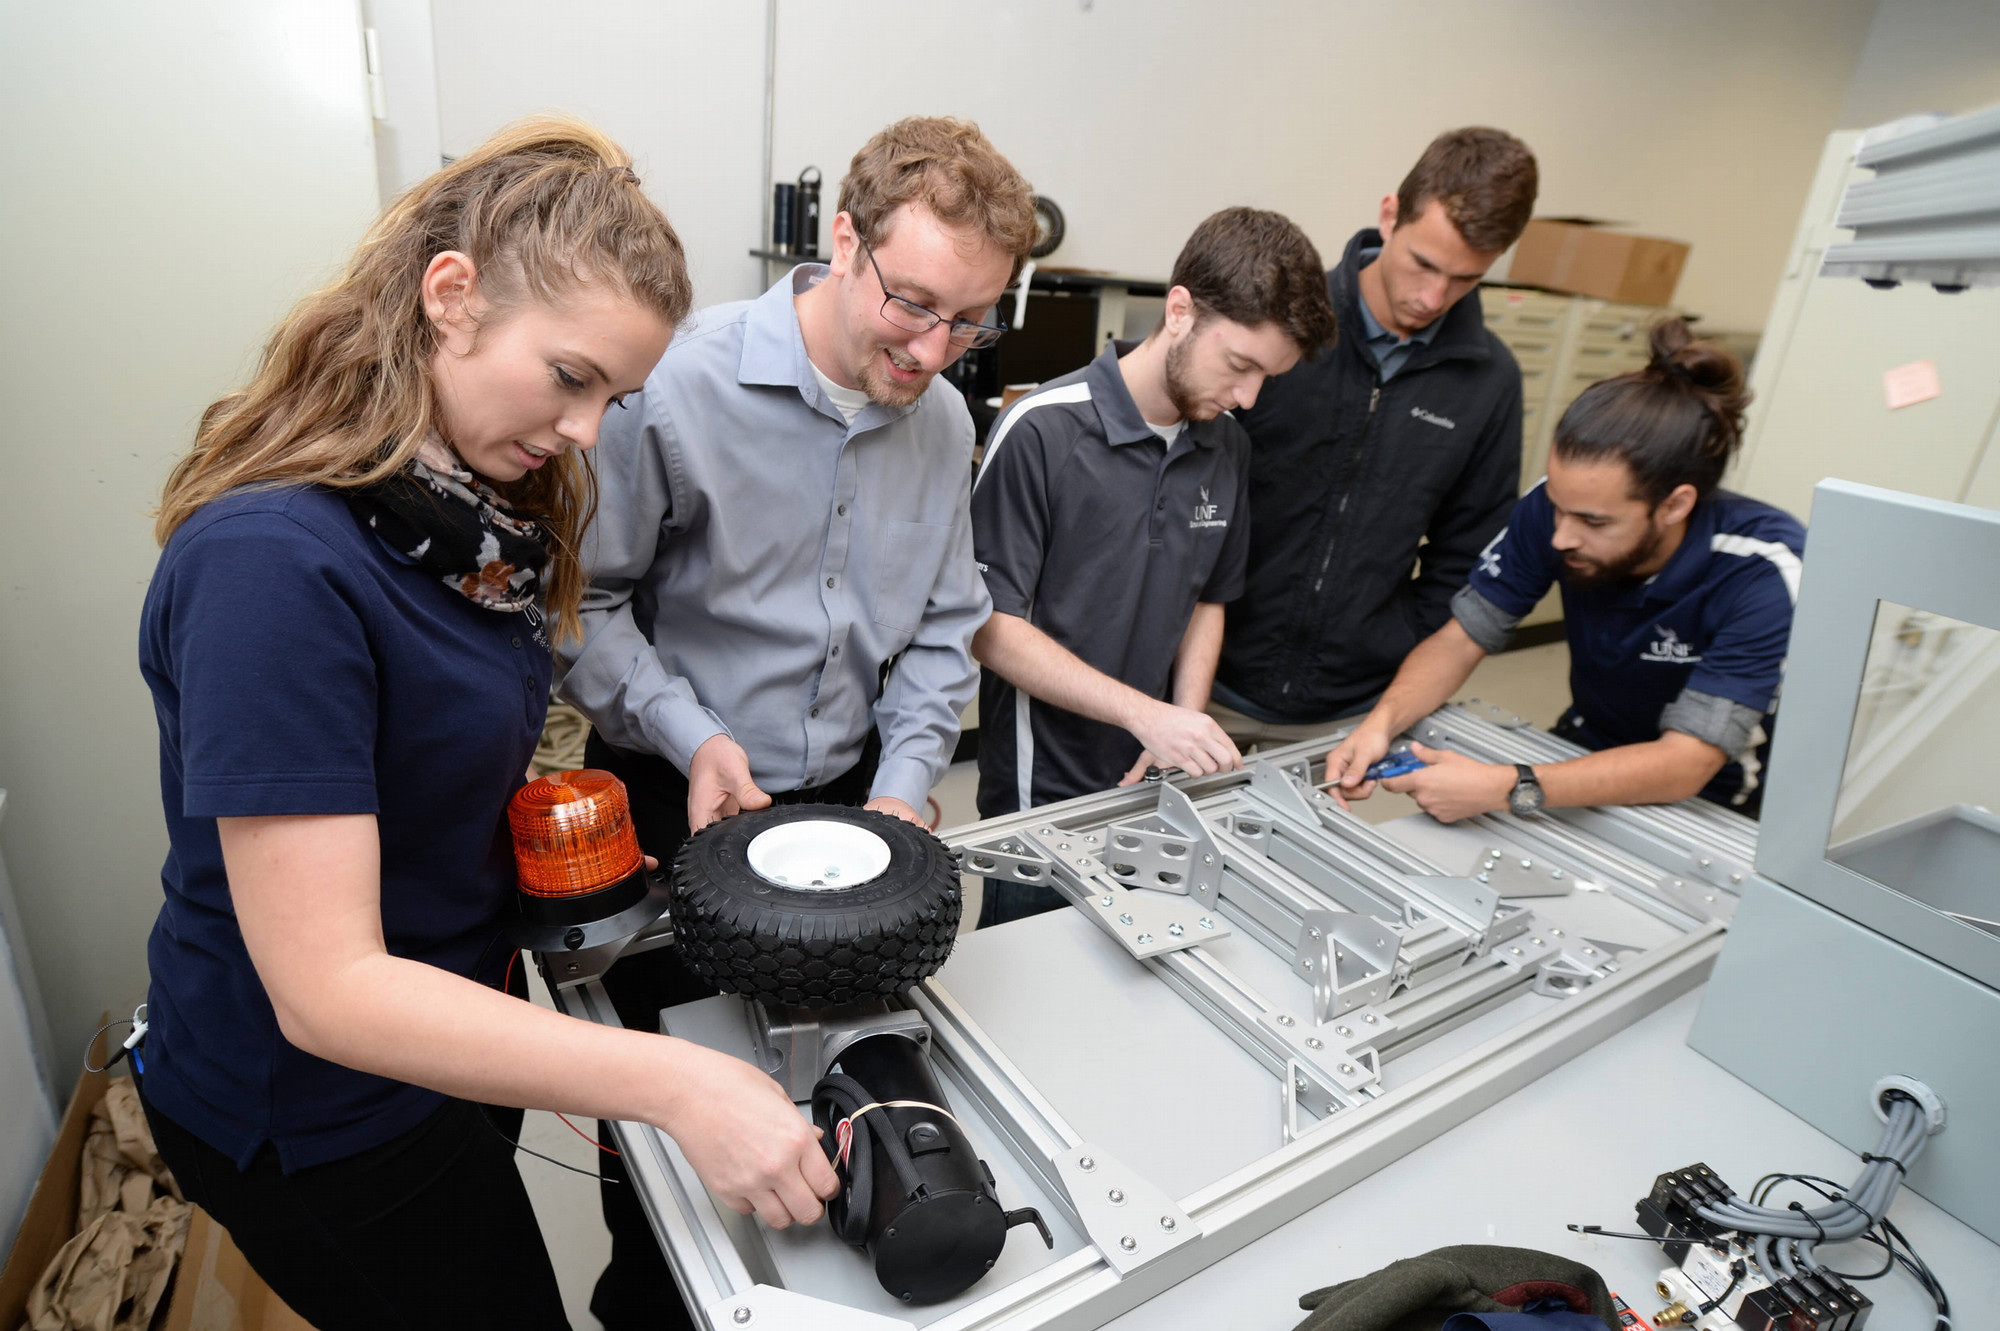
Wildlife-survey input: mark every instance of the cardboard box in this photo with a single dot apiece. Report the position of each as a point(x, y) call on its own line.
point(214, 1290)
point(1575, 254)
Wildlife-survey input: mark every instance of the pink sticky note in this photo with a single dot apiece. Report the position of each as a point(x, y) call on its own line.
point(1909, 384)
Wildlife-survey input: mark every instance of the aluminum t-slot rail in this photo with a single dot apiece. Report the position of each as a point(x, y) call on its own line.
point(1701, 863)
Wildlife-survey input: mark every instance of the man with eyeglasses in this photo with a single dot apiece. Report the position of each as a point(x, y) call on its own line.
point(783, 594)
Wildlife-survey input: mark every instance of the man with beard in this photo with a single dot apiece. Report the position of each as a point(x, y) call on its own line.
point(1109, 518)
point(1677, 600)
point(1399, 451)
point(782, 595)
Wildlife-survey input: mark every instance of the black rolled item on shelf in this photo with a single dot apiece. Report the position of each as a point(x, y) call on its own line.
point(805, 214)
point(784, 210)
point(797, 936)
point(916, 1196)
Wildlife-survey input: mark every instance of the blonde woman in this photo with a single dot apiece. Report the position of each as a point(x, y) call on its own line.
point(348, 637)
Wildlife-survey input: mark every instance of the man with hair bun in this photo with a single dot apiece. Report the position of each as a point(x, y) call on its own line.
point(1400, 450)
point(1677, 600)
point(1110, 520)
point(783, 596)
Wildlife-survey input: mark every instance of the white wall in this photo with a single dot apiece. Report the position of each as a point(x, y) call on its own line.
point(177, 175)
point(1925, 55)
point(1699, 120)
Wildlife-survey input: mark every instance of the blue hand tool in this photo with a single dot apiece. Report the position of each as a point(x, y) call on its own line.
point(1396, 764)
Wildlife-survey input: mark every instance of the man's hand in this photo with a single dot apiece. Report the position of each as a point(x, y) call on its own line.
point(1138, 769)
point(1454, 786)
point(747, 1140)
point(1185, 738)
point(1347, 763)
point(889, 804)
point(719, 783)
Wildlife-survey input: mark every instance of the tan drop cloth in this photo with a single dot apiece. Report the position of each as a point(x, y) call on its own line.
point(132, 1223)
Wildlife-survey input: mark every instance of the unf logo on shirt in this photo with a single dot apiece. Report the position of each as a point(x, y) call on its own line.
point(535, 625)
point(1671, 650)
point(1204, 513)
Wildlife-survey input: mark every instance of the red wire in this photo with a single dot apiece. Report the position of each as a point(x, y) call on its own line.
point(507, 981)
point(937, 813)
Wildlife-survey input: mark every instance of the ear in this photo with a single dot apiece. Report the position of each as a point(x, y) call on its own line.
point(1180, 311)
point(450, 290)
point(1680, 502)
point(1387, 218)
point(846, 245)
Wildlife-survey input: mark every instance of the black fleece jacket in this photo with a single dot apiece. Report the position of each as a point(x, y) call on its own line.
point(1353, 485)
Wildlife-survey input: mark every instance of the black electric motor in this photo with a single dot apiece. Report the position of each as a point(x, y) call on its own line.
point(914, 1194)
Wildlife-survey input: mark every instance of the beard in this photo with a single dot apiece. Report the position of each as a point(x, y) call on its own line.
point(1191, 407)
point(880, 388)
point(1596, 575)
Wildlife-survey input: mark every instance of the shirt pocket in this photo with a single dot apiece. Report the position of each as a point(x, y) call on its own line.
point(908, 559)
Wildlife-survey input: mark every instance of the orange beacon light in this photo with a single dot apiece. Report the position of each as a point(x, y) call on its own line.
point(582, 881)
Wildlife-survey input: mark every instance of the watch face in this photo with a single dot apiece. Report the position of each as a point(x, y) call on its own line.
point(1526, 798)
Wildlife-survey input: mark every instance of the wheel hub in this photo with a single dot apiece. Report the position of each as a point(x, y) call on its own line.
point(818, 855)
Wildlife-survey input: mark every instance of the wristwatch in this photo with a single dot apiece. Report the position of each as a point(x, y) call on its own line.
point(1526, 797)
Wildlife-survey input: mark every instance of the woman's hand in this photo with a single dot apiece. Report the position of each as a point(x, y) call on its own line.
point(747, 1140)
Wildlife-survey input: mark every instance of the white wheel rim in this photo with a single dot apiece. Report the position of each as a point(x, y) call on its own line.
point(818, 855)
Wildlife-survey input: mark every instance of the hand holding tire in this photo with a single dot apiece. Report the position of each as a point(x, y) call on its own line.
point(719, 783)
point(747, 1140)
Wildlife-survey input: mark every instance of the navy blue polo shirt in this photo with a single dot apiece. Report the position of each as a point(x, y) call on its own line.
point(1091, 527)
point(298, 666)
point(1699, 647)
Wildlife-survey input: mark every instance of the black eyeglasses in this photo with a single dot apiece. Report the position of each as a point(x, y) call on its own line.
point(914, 318)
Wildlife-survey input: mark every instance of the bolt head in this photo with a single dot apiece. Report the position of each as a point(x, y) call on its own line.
point(1590, 952)
point(1485, 877)
point(1347, 1069)
point(1116, 1197)
point(1104, 901)
point(1309, 964)
point(1125, 919)
point(1342, 1030)
point(1167, 1223)
point(1736, 878)
point(1129, 1244)
point(741, 1316)
point(1515, 950)
point(1370, 1019)
point(1556, 932)
point(1175, 929)
point(1208, 859)
point(1086, 1164)
point(1314, 1042)
point(1703, 862)
point(1062, 845)
point(1555, 873)
point(1145, 939)
point(1285, 1020)
point(1312, 933)
point(1205, 922)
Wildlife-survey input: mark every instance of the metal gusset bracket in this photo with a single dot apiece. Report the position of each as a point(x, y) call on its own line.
point(1282, 792)
point(1347, 958)
point(1131, 1222)
point(1328, 1067)
point(1168, 850)
point(1704, 901)
point(1145, 923)
point(1011, 858)
point(769, 1308)
point(797, 1046)
point(1565, 975)
point(1513, 872)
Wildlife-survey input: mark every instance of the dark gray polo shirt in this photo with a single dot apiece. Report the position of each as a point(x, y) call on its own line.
point(1090, 527)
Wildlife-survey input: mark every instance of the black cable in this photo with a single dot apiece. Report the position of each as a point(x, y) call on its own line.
point(1697, 1239)
point(1921, 1269)
point(1736, 1273)
point(514, 1142)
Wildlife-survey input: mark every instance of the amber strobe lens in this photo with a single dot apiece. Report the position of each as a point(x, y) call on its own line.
point(572, 834)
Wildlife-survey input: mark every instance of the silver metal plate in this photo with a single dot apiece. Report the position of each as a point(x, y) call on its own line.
point(1131, 1222)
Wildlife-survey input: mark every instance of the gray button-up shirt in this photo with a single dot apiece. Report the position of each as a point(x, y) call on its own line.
point(1389, 350)
point(756, 561)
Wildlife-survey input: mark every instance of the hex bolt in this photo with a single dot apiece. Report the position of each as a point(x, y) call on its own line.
point(1205, 922)
point(1314, 1042)
point(1309, 964)
point(1370, 1019)
point(1129, 1244)
point(1145, 939)
point(1312, 933)
point(1104, 901)
point(1208, 859)
point(1298, 1083)
point(1125, 919)
point(741, 1316)
point(1063, 846)
point(1175, 929)
point(1167, 1223)
point(1342, 1030)
point(1285, 1020)
point(1116, 1197)
point(1347, 1069)
point(1048, 831)
point(1086, 1164)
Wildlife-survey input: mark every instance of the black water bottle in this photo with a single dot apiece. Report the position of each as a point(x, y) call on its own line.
point(784, 213)
point(805, 214)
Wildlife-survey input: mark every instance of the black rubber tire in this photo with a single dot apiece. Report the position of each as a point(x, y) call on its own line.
point(796, 948)
point(1050, 228)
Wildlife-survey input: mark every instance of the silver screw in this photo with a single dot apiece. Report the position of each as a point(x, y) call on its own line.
point(1284, 1020)
point(1086, 1164)
point(1104, 901)
point(1590, 952)
point(1703, 861)
point(1347, 1069)
point(1312, 933)
point(1314, 1042)
point(1116, 1197)
point(1485, 877)
point(1125, 919)
point(1515, 950)
point(1063, 846)
point(1129, 1244)
point(1370, 1019)
point(1309, 964)
point(741, 1316)
point(1145, 939)
point(1709, 898)
point(1205, 922)
point(1555, 873)
point(1298, 1083)
point(1342, 1030)
point(1175, 929)
point(1527, 864)
point(1556, 932)
point(1167, 1223)
point(1536, 941)
point(1736, 878)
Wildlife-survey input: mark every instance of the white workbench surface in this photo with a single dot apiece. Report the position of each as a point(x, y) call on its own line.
point(1580, 1145)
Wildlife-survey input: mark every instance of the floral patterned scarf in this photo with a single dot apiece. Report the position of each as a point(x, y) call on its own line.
point(458, 528)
